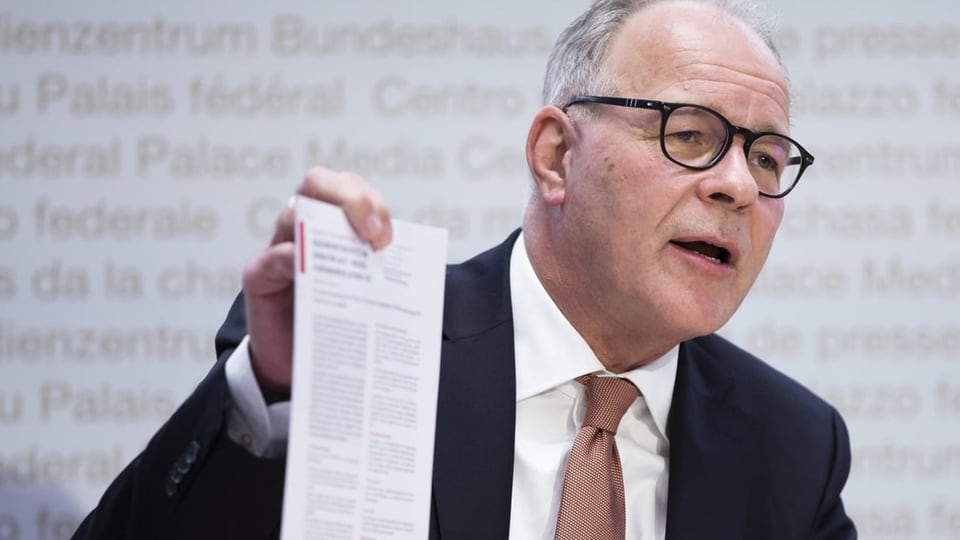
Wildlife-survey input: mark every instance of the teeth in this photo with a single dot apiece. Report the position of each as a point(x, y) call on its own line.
point(710, 252)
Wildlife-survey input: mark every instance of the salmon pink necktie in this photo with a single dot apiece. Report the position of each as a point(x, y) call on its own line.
point(591, 505)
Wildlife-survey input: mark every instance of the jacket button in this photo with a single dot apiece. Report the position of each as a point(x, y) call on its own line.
point(180, 468)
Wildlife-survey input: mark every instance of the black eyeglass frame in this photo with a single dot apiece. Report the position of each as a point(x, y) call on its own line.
point(666, 108)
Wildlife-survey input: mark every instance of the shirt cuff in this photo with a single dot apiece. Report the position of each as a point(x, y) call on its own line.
point(260, 428)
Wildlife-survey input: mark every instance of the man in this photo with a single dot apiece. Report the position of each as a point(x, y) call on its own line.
point(659, 167)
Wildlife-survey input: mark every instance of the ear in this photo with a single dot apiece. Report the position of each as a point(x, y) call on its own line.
point(548, 143)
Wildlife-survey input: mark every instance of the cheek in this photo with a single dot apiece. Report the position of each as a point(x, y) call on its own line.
point(599, 186)
point(765, 226)
point(640, 178)
point(624, 187)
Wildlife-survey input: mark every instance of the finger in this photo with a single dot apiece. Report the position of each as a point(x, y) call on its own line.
point(283, 231)
point(363, 205)
point(383, 226)
point(271, 271)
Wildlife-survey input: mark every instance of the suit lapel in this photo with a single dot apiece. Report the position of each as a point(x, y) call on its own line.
point(708, 432)
point(476, 411)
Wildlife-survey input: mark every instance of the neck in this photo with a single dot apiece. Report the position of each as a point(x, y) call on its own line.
point(619, 346)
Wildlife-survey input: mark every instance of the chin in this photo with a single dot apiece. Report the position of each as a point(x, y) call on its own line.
point(702, 320)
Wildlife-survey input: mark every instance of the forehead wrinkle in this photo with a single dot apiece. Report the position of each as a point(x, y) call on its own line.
point(760, 65)
point(688, 65)
point(718, 100)
point(766, 81)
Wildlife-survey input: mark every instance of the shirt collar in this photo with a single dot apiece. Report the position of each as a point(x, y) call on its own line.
point(550, 352)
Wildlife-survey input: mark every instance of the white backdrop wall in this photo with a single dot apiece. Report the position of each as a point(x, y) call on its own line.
point(145, 149)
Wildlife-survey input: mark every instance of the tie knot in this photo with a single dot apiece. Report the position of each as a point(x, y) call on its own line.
point(608, 398)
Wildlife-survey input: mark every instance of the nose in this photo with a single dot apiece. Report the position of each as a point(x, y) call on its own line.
point(730, 182)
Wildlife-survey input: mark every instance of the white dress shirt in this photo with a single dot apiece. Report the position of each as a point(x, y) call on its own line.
point(550, 406)
point(251, 423)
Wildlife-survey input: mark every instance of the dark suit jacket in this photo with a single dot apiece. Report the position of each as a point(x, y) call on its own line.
point(753, 455)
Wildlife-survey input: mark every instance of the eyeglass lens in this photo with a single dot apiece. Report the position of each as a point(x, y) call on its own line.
point(696, 137)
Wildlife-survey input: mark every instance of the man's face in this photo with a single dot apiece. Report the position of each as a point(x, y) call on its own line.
point(642, 225)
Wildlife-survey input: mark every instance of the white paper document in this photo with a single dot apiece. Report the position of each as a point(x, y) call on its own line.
point(367, 332)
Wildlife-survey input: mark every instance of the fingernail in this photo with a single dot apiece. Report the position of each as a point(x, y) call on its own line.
point(374, 226)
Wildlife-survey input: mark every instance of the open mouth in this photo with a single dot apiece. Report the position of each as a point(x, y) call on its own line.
point(706, 250)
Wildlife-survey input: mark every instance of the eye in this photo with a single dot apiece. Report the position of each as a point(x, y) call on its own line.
point(693, 136)
point(765, 162)
point(689, 136)
point(770, 153)
point(691, 146)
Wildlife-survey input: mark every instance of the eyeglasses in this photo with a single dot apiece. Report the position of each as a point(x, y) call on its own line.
point(698, 137)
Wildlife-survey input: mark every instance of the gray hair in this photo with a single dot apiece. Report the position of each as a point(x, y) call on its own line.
point(575, 64)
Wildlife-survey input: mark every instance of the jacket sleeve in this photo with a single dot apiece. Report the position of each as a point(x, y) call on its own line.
point(191, 480)
point(832, 520)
